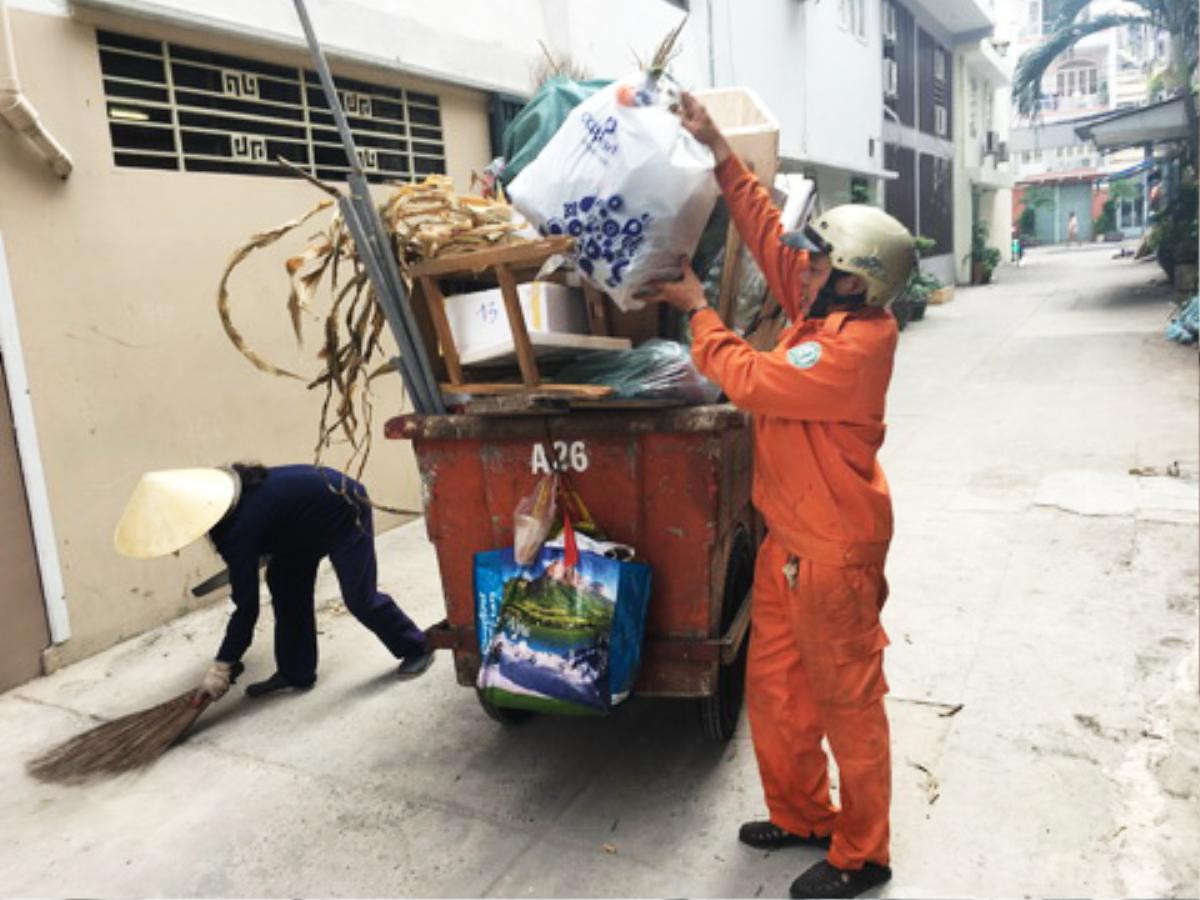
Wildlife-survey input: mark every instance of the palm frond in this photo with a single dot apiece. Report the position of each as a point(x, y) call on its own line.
point(667, 50)
point(1067, 13)
point(1027, 81)
point(1179, 19)
point(1161, 10)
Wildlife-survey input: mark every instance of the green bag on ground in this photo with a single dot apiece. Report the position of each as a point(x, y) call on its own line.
point(541, 117)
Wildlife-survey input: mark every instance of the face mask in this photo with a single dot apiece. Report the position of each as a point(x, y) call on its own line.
point(828, 297)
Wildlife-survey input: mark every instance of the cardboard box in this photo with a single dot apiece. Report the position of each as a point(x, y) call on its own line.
point(555, 317)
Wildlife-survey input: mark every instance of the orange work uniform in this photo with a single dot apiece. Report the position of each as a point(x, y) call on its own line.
point(816, 647)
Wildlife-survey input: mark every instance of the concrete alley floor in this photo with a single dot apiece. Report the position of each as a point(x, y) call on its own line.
point(1045, 719)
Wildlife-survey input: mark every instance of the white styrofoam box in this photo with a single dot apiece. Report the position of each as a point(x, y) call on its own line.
point(749, 126)
point(555, 317)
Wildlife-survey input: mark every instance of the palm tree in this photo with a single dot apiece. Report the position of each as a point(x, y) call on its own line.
point(1176, 17)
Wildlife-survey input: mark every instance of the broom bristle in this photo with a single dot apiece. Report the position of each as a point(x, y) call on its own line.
point(127, 743)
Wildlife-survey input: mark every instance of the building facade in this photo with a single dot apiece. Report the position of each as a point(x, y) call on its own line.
point(942, 131)
point(815, 66)
point(983, 186)
point(1107, 71)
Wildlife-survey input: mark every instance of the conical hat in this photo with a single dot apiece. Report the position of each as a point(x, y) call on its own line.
point(171, 508)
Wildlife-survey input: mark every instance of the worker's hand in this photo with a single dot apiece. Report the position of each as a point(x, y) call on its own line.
point(216, 681)
point(685, 294)
point(699, 123)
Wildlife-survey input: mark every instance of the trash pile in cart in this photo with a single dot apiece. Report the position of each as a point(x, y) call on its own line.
point(527, 296)
point(523, 297)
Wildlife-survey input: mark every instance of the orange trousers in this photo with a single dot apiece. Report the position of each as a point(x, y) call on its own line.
point(815, 670)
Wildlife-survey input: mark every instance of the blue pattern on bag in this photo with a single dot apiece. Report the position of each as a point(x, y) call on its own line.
point(604, 236)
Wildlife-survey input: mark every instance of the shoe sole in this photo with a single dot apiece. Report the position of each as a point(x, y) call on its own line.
point(817, 843)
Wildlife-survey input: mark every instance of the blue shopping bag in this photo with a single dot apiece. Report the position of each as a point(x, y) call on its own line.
point(562, 634)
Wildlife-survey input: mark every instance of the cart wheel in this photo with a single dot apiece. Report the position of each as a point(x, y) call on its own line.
point(719, 713)
point(503, 714)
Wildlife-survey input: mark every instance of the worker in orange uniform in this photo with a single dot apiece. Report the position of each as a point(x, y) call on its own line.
point(816, 648)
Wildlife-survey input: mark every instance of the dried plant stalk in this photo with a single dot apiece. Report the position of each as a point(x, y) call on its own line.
point(257, 242)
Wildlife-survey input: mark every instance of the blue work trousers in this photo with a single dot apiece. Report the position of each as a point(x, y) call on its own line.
point(291, 578)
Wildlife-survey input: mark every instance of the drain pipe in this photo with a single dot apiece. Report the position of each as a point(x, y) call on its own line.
point(19, 112)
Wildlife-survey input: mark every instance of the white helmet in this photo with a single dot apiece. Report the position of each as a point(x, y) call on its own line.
point(862, 240)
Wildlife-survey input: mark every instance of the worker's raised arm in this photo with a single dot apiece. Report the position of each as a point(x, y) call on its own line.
point(756, 217)
point(758, 222)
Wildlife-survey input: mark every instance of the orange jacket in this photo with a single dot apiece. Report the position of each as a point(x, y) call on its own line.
point(817, 398)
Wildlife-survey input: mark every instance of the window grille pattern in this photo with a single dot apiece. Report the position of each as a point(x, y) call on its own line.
point(180, 108)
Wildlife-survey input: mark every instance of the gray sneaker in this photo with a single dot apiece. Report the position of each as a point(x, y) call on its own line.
point(415, 666)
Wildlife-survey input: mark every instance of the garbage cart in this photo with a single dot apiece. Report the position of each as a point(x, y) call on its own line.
point(674, 483)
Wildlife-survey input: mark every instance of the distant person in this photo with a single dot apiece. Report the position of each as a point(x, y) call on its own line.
point(1018, 249)
point(296, 516)
point(1072, 229)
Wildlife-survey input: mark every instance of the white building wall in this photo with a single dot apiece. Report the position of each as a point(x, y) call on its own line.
point(488, 44)
point(843, 88)
point(982, 183)
point(822, 80)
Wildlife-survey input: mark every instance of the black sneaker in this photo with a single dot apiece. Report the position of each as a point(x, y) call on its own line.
point(769, 836)
point(414, 666)
point(272, 685)
point(825, 880)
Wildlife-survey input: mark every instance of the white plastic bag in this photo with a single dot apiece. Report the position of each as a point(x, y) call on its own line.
point(628, 182)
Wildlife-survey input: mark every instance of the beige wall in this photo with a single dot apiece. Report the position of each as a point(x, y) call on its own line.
point(114, 274)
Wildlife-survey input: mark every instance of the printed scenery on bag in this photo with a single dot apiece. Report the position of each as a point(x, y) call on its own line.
point(549, 647)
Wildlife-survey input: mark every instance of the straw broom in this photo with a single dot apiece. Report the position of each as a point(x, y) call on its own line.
point(122, 745)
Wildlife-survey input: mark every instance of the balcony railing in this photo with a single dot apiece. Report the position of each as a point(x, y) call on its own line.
point(1075, 104)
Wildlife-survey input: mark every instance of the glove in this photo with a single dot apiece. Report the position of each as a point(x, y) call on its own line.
point(216, 680)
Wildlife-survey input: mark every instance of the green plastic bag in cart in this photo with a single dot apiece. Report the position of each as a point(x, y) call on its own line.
point(540, 118)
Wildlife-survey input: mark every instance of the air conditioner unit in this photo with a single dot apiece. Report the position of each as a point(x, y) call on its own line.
point(1002, 152)
point(991, 142)
point(941, 125)
point(891, 78)
point(889, 23)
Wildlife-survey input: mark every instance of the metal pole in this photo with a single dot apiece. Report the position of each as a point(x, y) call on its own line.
point(374, 248)
point(406, 362)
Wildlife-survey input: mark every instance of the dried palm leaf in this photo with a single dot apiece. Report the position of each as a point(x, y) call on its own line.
point(257, 242)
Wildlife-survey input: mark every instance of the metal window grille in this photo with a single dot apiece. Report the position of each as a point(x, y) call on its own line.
point(175, 107)
point(889, 22)
point(891, 79)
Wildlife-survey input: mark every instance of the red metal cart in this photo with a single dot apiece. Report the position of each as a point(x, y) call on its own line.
point(672, 483)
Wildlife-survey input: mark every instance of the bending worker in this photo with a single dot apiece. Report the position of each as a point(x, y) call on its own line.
point(816, 647)
point(295, 515)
